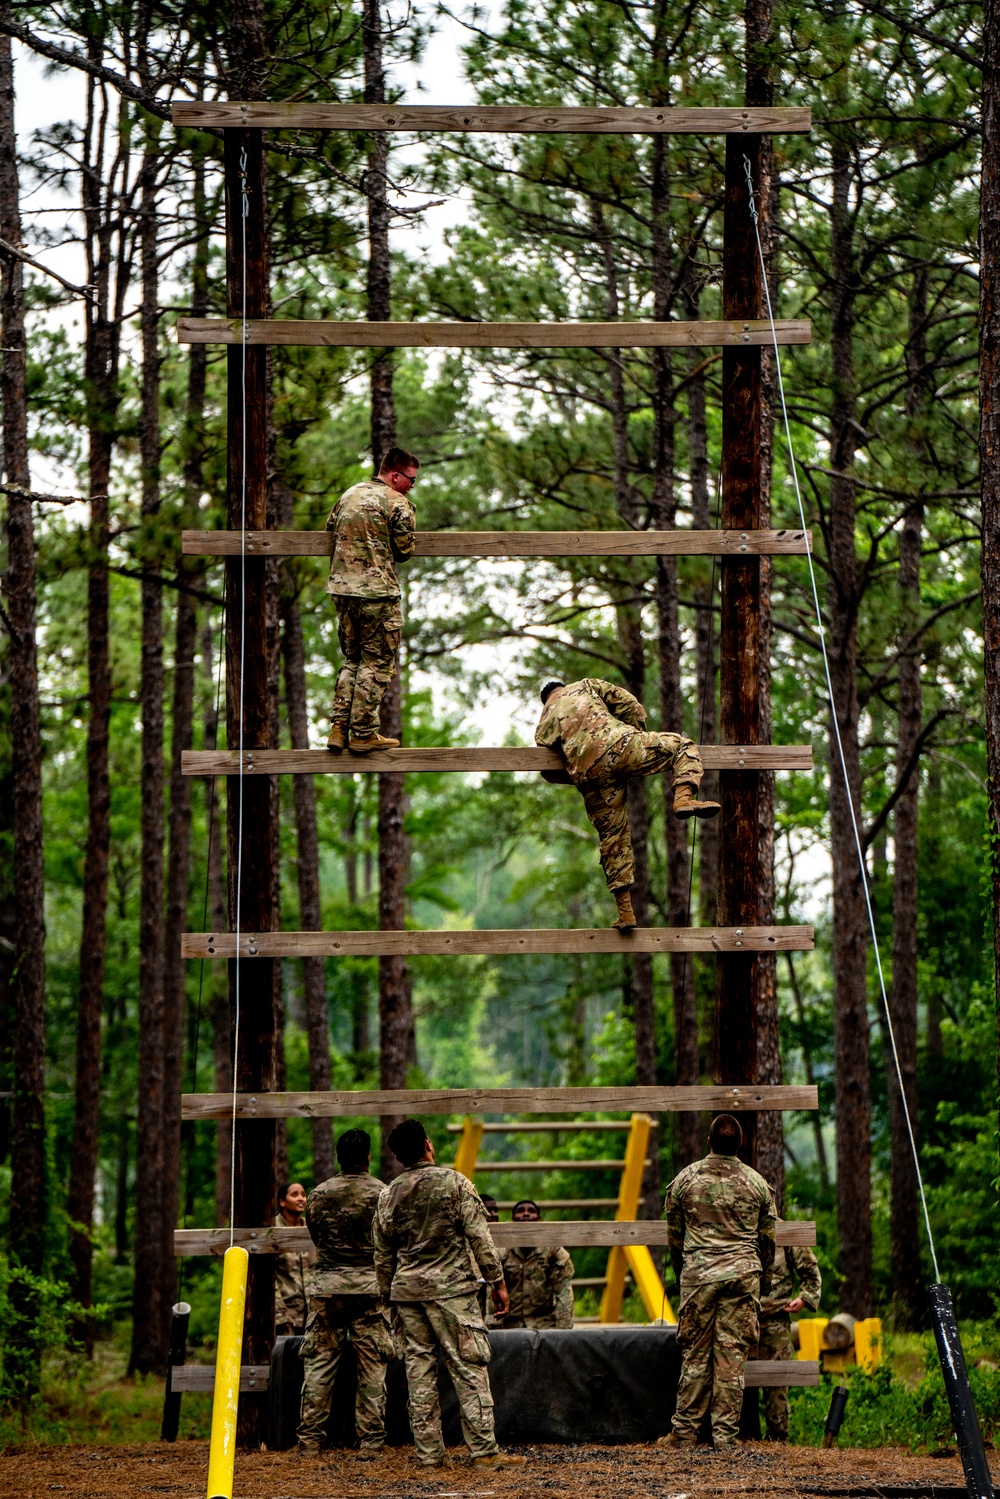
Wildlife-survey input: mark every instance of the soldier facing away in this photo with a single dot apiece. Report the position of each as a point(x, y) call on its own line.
point(776, 1309)
point(373, 524)
point(720, 1235)
point(539, 1281)
point(343, 1302)
point(599, 729)
point(291, 1268)
point(429, 1229)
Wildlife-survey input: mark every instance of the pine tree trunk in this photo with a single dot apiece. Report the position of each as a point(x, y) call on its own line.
point(214, 978)
point(850, 932)
point(150, 1306)
point(989, 447)
point(908, 1297)
point(28, 1186)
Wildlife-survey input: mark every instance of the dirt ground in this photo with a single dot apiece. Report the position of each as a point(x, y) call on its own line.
point(550, 1473)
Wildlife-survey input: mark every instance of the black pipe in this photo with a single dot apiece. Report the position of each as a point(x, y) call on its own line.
point(180, 1315)
point(835, 1420)
point(956, 1381)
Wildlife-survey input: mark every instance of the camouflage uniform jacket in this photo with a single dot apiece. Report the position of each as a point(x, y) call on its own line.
point(373, 529)
point(787, 1264)
point(538, 1281)
point(584, 719)
point(720, 1222)
point(339, 1216)
point(290, 1286)
point(429, 1225)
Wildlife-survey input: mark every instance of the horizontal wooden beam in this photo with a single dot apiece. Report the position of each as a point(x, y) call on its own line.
point(573, 1234)
point(502, 942)
point(333, 334)
point(199, 1379)
point(567, 1165)
point(519, 1127)
point(503, 119)
point(681, 543)
point(467, 760)
point(700, 1098)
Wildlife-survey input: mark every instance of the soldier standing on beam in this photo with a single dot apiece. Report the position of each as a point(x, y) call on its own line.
point(372, 524)
point(720, 1235)
point(429, 1230)
point(600, 731)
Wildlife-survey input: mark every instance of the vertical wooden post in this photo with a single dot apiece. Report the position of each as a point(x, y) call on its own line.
point(246, 619)
point(736, 974)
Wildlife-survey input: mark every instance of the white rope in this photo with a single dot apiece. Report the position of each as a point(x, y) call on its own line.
point(243, 608)
point(836, 728)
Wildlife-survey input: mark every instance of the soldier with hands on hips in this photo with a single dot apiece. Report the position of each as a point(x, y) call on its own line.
point(344, 1304)
point(720, 1236)
point(430, 1231)
point(372, 524)
point(600, 731)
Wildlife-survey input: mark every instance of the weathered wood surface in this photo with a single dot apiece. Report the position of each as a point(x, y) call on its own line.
point(707, 1098)
point(330, 333)
point(762, 1374)
point(199, 1379)
point(495, 118)
point(574, 1235)
point(567, 1165)
point(516, 543)
point(321, 762)
point(653, 939)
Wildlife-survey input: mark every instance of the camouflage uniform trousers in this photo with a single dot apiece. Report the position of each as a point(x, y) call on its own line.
point(717, 1327)
point(332, 1321)
point(369, 631)
point(455, 1326)
point(775, 1342)
point(604, 790)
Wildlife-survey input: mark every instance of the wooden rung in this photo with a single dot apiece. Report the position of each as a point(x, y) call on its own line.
point(519, 1128)
point(585, 1281)
point(321, 762)
point(562, 1204)
point(677, 543)
point(769, 1374)
point(693, 1098)
point(506, 119)
point(328, 333)
point(566, 1165)
point(572, 1234)
point(199, 1379)
point(652, 939)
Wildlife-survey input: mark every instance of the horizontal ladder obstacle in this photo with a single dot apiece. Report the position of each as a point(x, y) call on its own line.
point(336, 334)
point(506, 941)
point(503, 119)
point(462, 759)
point(731, 543)
point(348, 1104)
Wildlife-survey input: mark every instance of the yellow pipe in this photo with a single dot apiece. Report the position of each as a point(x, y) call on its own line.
point(222, 1448)
point(468, 1146)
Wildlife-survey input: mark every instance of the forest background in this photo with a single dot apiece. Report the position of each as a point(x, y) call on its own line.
point(111, 643)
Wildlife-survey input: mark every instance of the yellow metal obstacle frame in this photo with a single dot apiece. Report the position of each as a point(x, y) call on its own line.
point(222, 1448)
point(634, 1257)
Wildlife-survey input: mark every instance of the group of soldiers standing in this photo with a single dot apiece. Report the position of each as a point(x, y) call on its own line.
point(410, 1270)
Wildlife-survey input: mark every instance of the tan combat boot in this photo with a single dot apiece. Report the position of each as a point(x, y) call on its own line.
point(674, 1441)
point(626, 916)
point(376, 742)
point(686, 803)
point(337, 740)
point(499, 1460)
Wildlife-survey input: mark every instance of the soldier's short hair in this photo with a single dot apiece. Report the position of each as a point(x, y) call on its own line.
point(725, 1134)
point(354, 1149)
point(549, 689)
point(527, 1202)
point(396, 460)
point(408, 1141)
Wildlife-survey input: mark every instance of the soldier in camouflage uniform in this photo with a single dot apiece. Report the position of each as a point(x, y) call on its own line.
point(373, 524)
point(775, 1341)
point(539, 1281)
point(291, 1268)
point(430, 1233)
point(599, 729)
point(343, 1300)
point(720, 1234)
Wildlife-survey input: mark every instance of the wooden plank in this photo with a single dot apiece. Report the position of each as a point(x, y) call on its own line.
point(465, 760)
point(769, 1374)
point(350, 1104)
point(682, 543)
point(652, 939)
point(549, 1125)
point(199, 1379)
point(566, 1165)
point(489, 119)
point(572, 1234)
point(561, 1204)
point(329, 333)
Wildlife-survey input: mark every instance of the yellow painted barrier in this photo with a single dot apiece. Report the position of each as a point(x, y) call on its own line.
point(811, 1331)
point(222, 1449)
point(635, 1257)
point(868, 1343)
point(468, 1146)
